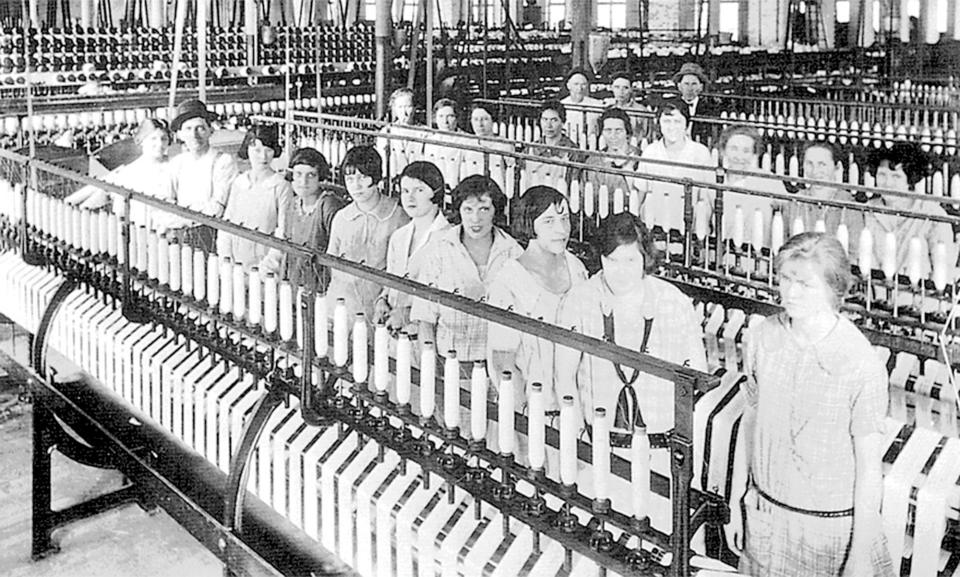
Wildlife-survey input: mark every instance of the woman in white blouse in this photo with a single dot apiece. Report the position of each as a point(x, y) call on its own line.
point(421, 194)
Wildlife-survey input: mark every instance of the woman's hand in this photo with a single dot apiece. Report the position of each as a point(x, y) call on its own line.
point(381, 311)
point(399, 319)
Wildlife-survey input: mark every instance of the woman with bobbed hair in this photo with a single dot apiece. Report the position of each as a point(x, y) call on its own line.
point(463, 260)
point(148, 174)
point(626, 305)
point(257, 197)
point(421, 194)
point(307, 218)
point(816, 401)
point(533, 285)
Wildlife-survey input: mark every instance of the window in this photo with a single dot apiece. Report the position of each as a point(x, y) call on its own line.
point(494, 11)
point(556, 12)
point(611, 14)
point(730, 19)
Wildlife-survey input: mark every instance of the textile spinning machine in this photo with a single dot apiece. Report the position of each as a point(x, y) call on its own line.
point(286, 447)
point(365, 461)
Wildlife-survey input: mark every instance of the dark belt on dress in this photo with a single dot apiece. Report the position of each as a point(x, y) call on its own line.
point(792, 509)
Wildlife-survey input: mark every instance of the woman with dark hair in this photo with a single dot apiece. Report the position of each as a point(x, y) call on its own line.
point(361, 231)
point(257, 197)
point(901, 168)
point(533, 285)
point(675, 145)
point(148, 173)
point(482, 122)
point(307, 218)
point(463, 260)
point(624, 304)
point(421, 194)
point(816, 402)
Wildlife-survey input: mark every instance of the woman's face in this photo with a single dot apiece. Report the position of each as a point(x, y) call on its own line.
point(416, 197)
point(551, 124)
point(260, 155)
point(552, 228)
point(804, 293)
point(623, 269)
point(402, 109)
point(481, 122)
point(306, 181)
point(446, 118)
point(673, 126)
point(615, 134)
point(155, 145)
point(476, 215)
point(739, 153)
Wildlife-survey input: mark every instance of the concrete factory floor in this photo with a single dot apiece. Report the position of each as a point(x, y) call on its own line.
point(123, 542)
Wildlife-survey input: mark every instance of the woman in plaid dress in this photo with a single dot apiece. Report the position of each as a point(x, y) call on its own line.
point(816, 401)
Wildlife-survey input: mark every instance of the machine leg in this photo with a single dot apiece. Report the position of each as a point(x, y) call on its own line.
point(43, 516)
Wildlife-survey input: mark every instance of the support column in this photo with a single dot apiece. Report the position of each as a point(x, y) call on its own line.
point(928, 21)
point(382, 33)
point(582, 15)
point(713, 21)
point(828, 14)
point(860, 31)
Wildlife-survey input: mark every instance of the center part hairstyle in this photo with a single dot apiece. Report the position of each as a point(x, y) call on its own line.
point(742, 130)
point(616, 114)
point(311, 157)
point(268, 134)
point(556, 106)
point(827, 254)
point(534, 202)
point(674, 104)
point(363, 160)
point(478, 186)
point(147, 127)
point(429, 174)
point(625, 229)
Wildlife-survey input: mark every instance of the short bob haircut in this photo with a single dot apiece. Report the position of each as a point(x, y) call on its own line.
point(623, 229)
point(363, 160)
point(907, 155)
point(556, 106)
point(429, 174)
point(268, 134)
point(674, 104)
point(147, 127)
point(478, 186)
point(311, 157)
point(827, 254)
point(616, 114)
point(741, 130)
point(534, 202)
